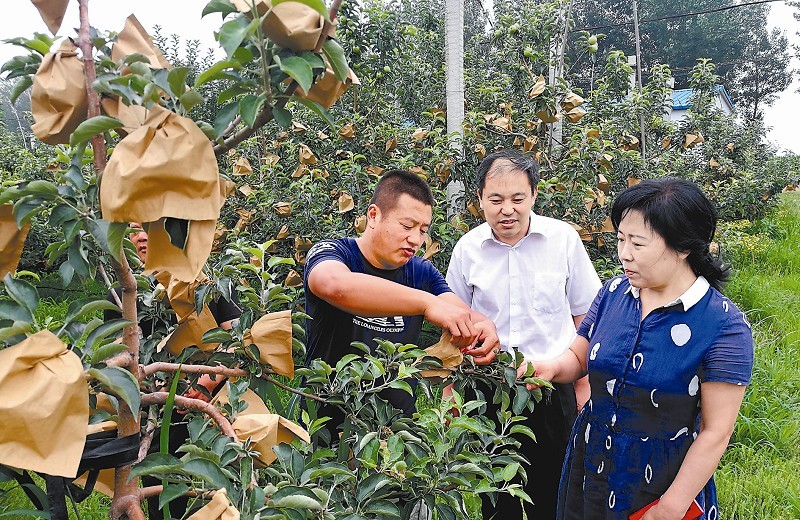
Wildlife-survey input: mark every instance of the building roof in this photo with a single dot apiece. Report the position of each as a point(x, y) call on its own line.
point(681, 99)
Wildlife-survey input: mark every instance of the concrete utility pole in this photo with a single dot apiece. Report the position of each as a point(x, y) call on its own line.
point(454, 67)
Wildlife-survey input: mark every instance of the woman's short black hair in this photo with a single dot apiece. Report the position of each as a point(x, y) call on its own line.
point(527, 165)
point(682, 215)
point(394, 183)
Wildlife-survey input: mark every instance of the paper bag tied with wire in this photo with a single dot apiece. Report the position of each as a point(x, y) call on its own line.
point(59, 102)
point(184, 259)
point(12, 240)
point(272, 335)
point(219, 508)
point(291, 25)
point(190, 332)
point(133, 39)
point(267, 431)
point(45, 406)
point(165, 168)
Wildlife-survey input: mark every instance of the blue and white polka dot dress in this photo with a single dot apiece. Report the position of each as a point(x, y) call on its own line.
point(646, 377)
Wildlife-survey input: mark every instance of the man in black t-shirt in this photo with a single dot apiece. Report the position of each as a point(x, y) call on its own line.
point(375, 287)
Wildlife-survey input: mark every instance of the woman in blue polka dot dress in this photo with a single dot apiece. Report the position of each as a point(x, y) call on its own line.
point(668, 358)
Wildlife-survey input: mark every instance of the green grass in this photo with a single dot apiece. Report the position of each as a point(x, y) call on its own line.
point(759, 474)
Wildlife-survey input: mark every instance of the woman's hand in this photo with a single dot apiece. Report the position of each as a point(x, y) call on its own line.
point(542, 369)
point(661, 511)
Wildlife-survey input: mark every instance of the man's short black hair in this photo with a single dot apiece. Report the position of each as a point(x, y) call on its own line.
point(527, 165)
point(394, 183)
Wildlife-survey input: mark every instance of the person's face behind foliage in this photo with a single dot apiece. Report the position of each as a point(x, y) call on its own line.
point(139, 240)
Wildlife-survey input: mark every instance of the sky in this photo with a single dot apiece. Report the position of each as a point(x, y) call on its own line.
point(183, 18)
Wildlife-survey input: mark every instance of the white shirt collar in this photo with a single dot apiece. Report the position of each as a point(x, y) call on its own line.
point(688, 299)
point(537, 225)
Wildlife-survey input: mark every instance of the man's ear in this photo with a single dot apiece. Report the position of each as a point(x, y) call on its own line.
point(480, 202)
point(535, 192)
point(373, 213)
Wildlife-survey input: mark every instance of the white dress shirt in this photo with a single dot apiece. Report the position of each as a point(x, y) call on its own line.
point(530, 290)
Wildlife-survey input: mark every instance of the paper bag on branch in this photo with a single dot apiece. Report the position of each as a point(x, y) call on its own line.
point(52, 12)
point(291, 25)
point(327, 89)
point(267, 431)
point(133, 39)
point(132, 116)
point(45, 406)
point(272, 335)
point(450, 355)
point(255, 405)
point(220, 508)
point(12, 240)
point(59, 102)
point(165, 168)
point(190, 332)
point(180, 293)
point(181, 264)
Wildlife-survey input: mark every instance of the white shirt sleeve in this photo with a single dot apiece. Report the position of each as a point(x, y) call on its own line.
point(582, 280)
point(455, 276)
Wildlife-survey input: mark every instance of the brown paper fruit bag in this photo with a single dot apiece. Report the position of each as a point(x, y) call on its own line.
point(190, 332)
point(185, 263)
point(165, 168)
point(52, 13)
point(132, 116)
point(267, 431)
point(450, 355)
point(255, 405)
point(220, 508)
point(12, 240)
point(44, 407)
point(272, 335)
point(59, 102)
point(291, 25)
point(327, 89)
point(133, 39)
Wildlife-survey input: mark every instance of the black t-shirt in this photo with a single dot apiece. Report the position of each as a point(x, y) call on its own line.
point(330, 331)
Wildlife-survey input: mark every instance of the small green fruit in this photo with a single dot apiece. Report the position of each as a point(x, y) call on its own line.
point(592, 40)
point(387, 69)
point(514, 28)
point(528, 52)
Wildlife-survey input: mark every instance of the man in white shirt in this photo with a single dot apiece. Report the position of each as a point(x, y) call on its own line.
point(533, 278)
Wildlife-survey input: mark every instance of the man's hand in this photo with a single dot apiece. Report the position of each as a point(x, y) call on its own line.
point(487, 345)
point(454, 319)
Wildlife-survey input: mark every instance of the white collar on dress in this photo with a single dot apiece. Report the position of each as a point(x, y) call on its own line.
point(688, 299)
point(538, 225)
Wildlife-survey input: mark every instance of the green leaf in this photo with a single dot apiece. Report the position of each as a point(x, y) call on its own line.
point(522, 430)
point(318, 109)
point(207, 471)
point(92, 127)
point(170, 493)
point(521, 398)
point(317, 5)
point(296, 497)
point(382, 507)
point(82, 307)
point(12, 311)
point(20, 86)
point(104, 331)
point(16, 328)
point(250, 106)
point(190, 99)
point(215, 72)
point(345, 361)
point(335, 54)
point(219, 6)
point(177, 80)
point(156, 464)
point(100, 354)
point(282, 116)
point(22, 292)
point(374, 486)
point(109, 235)
point(231, 35)
point(22, 513)
point(401, 385)
point(121, 382)
point(224, 117)
point(510, 471)
point(299, 70)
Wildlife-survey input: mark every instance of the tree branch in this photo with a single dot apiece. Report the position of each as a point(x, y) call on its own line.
point(221, 370)
point(193, 404)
